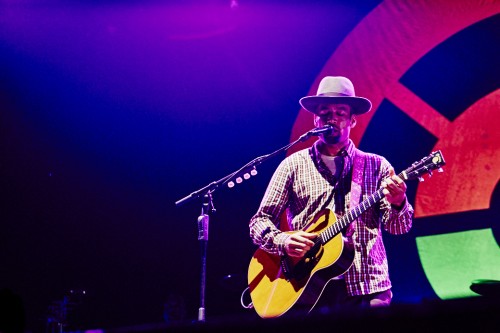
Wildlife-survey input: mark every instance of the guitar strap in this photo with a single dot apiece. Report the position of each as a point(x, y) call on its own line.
point(358, 170)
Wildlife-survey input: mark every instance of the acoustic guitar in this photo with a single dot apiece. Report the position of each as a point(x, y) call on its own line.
point(278, 284)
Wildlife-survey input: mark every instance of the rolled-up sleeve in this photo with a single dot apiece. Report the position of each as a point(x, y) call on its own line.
point(397, 221)
point(264, 224)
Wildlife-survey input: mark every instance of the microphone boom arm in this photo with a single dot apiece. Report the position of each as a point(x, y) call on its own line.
point(213, 186)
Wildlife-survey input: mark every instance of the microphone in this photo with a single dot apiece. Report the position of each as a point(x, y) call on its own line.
point(322, 130)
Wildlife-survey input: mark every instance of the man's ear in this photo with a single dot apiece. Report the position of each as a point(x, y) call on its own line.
point(316, 121)
point(353, 121)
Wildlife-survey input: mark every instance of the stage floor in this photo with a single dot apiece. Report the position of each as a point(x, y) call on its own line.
point(476, 314)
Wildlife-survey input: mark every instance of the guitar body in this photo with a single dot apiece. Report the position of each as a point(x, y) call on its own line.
point(277, 284)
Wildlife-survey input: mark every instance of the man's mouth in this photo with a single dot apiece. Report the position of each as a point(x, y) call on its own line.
point(333, 125)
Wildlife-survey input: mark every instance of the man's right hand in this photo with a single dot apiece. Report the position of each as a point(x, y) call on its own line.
point(298, 243)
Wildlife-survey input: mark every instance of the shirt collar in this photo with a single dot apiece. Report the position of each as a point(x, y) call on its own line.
point(347, 152)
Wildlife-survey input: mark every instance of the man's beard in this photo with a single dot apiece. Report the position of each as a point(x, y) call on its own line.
point(331, 138)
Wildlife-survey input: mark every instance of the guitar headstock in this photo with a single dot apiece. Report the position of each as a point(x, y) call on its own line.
point(434, 161)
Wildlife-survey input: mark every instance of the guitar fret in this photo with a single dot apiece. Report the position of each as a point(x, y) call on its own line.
point(328, 233)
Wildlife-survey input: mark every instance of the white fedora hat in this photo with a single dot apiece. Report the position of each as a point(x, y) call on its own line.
point(336, 89)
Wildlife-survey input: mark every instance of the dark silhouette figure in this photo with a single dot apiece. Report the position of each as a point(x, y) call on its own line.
point(12, 315)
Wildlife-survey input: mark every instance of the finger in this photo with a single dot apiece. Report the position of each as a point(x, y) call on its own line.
point(294, 244)
point(386, 183)
point(306, 237)
point(305, 241)
point(301, 247)
point(395, 184)
point(400, 184)
point(297, 242)
point(391, 192)
point(306, 234)
point(397, 180)
point(295, 252)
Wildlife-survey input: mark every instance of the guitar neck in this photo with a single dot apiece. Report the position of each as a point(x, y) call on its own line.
point(354, 213)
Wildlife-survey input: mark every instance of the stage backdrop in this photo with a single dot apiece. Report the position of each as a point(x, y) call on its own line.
point(113, 111)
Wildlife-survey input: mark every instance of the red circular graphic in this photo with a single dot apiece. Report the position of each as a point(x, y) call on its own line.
point(378, 52)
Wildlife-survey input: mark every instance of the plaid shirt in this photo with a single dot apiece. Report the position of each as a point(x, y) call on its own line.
point(303, 186)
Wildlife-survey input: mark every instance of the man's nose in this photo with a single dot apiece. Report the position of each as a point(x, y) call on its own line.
point(328, 116)
point(331, 119)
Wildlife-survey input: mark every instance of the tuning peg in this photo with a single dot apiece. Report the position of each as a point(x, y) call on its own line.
point(420, 179)
point(440, 170)
point(430, 173)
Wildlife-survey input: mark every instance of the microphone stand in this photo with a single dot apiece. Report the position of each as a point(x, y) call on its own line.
point(208, 205)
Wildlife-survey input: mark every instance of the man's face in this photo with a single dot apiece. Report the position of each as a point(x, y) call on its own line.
point(339, 117)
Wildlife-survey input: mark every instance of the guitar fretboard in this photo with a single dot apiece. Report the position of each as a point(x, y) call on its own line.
point(353, 214)
point(425, 166)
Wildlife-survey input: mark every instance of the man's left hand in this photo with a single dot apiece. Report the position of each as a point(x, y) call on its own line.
point(394, 189)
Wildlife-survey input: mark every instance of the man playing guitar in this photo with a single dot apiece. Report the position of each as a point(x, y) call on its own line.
point(331, 176)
